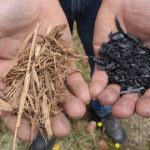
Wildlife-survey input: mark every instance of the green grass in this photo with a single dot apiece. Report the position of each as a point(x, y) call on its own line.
point(81, 140)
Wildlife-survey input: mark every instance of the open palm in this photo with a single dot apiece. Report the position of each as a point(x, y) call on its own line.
point(134, 17)
point(17, 19)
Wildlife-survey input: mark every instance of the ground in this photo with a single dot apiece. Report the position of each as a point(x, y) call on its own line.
point(137, 128)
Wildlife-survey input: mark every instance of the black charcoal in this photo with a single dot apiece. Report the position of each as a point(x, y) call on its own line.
point(126, 60)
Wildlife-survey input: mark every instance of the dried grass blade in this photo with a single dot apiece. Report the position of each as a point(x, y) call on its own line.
point(17, 94)
point(21, 105)
point(37, 50)
point(35, 76)
point(34, 94)
point(46, 116)
point(31, 103)
point(25, 87)
point(5, 106)
point(48, 86)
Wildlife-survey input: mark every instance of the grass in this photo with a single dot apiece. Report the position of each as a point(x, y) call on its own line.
point(81, 140)
point(137, 128)
point(138, 132)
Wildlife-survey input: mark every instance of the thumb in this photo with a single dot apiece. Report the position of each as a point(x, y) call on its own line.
point(105, 23)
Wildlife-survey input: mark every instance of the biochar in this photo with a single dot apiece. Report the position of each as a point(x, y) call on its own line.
point(126, 59)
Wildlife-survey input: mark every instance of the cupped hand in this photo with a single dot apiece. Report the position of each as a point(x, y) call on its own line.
point(134, 17)
point(18, 18)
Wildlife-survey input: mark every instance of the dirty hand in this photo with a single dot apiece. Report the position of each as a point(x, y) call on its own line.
point(134, 17)
point(18, 18)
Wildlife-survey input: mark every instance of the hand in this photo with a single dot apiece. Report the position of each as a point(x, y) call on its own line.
point(18, 18)
point(134, 17)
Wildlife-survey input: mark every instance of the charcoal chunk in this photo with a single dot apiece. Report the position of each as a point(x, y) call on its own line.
point(126, 59)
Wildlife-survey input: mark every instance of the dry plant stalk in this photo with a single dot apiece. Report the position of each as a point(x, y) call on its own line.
point(35, 85)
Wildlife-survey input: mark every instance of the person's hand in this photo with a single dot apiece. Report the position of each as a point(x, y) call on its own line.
point(134, 17)
point(18, 18)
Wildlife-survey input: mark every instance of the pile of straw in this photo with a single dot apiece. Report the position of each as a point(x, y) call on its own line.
point(36, 87)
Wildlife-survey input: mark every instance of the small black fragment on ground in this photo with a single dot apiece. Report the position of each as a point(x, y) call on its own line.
point(126, 60)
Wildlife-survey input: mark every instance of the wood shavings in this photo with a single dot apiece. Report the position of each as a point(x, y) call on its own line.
point(46, 118)
point(36, 87)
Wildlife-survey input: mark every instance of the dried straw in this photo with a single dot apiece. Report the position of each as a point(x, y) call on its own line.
point(36, 84)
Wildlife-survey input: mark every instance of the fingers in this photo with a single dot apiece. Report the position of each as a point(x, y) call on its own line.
point(78, 87)
point(143, 105)
point(125, 106)
point(74, 108)
point(110, 95)
point(98, 83)
point(24, 131)
point(60, 125)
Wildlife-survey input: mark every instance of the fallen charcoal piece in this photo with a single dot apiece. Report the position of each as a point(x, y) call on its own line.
point(126, 60)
